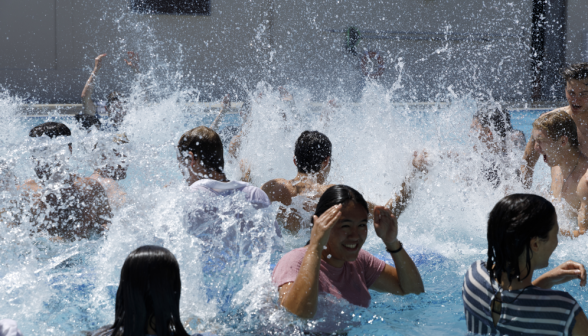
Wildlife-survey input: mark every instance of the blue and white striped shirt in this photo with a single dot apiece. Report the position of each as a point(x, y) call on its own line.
point(529, 311)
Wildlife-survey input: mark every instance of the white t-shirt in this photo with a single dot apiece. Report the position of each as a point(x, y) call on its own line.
point(9, 328)
point(253, 194)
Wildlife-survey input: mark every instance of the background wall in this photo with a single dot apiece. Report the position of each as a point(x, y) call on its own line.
point(432, 48)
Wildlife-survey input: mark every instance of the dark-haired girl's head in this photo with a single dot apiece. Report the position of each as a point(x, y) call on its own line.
point(350, 232)
point(149, 294)
point(522, 235)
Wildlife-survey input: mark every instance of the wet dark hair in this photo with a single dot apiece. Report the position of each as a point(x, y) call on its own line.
point(311, 150)
point(496, 118)
point(206, 145)
point(575, 71)
point(112, 98)
point(338, 194)
point(149, 292)
point(51, 129)
point(512, 223)
point(86, 121)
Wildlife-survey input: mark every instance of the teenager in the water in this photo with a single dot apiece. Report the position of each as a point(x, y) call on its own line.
point(148, 296)
point(62, 203)
point(312, 158)
point(556, 140)
point(334, 263)
point(500, 295)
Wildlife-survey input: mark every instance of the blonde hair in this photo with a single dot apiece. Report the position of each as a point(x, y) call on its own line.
point(557, 124)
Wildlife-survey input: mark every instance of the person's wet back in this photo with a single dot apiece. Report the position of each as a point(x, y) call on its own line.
point(312, 158)
point(62, 204)
point(500, 295)
point(229, 219)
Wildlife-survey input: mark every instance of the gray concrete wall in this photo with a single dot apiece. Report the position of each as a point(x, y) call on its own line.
point(577, 31)
point(478, 47)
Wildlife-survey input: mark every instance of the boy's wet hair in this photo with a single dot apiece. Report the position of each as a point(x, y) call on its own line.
point(112, 98)
point(311, 150)
point(496, 118)
point(86, 121)
point(557, 124)
point(575, 71)
point(206, 145)
point(51, 129)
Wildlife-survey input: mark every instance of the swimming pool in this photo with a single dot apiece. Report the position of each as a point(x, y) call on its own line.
point(65, 288)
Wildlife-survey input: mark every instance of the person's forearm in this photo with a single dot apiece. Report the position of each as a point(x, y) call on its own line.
point(530, 157)
point(217, 120)
point(399, 202)
point(302, 297)
point(408, 274)
point(87, 103)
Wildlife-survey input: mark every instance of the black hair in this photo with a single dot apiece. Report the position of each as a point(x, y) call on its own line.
point(149, 292)
point(575, 71)
point(86, 121)
point(496, 118)
point(512, 223)
point(338, 194)
point(311, 150)
point(112, 98)
point(51, 129)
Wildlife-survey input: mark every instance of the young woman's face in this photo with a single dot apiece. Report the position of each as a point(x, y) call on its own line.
point(347, 236)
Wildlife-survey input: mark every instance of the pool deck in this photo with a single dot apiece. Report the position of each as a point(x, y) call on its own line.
point(43, 110)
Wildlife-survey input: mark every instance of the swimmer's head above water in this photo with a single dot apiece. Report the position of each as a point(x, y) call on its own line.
point(576, 77)
point(148, 296)
point(200, 153)
point(522, 235)
point(52, 130)
point(491, 123)
point(312, 153)
point(554, 134)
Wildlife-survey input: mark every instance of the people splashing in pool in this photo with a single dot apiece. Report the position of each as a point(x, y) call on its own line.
point(148, 296)
point(114, 105)
point(555, 138)
point(333, 262)
point(500, 295)
point(312, 158)
point(496, 144)
point(111, 167)
point(62, 204)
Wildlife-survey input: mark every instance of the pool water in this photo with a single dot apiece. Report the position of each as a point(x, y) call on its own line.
point(55, 288)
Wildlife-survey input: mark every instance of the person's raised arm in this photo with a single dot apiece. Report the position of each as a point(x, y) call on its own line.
point(301, 296)
point(399, 202)
point(87, 103)
point(405, 278)
point(530, 158)
point(225, 105)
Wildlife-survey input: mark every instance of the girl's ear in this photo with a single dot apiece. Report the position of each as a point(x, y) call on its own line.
point(534, 244)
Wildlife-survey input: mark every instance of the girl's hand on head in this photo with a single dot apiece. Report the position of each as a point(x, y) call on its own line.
point(322, 226)
point(386, 225)
point(570, 270)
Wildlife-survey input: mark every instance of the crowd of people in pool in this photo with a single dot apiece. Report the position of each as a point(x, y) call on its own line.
point(499, 293)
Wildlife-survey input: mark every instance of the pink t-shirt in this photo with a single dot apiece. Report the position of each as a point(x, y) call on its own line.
point(350, 282)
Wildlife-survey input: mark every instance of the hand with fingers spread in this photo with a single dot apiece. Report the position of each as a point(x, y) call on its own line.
point(133, 60)
point(568, 271)
point(321, 229)
point(386, 226)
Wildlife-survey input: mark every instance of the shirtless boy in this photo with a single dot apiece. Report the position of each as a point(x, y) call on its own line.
point(62, 203)
point(312, 157)
point(576, 77)
point(555, 138)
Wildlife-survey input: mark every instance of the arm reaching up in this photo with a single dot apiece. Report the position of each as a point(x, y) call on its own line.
point(399, 202)
point(87, 103)
point(530, 157)
point(225, 105)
